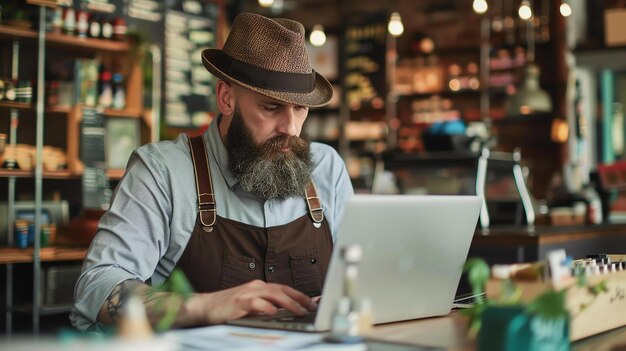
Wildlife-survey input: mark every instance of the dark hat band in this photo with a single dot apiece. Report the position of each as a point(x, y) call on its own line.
point(263, 78)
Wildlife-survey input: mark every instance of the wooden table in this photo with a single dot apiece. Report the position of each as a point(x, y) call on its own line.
point(450, 333)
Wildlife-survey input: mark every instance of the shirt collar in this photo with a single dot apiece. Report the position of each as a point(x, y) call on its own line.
point(217, 147)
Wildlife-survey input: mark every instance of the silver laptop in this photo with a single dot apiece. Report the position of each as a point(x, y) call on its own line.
point(413, 247)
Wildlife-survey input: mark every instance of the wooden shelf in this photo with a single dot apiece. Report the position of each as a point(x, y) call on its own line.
point(5, 173)
point(48, 254)
point(8, 32)
point(445, 93)
point(45, 310)
point(16, 105)
point(115, 174)
point(606, 58)
point(65, 41)
point(59, 109)
point(129, 113)
point(30, 107)
point(70, 41)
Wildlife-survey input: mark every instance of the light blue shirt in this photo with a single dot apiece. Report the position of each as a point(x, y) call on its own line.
point(154, 209)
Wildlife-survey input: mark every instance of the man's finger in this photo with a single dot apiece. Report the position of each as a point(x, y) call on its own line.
point(299, 297)
point(281, 299)
point(260, 305)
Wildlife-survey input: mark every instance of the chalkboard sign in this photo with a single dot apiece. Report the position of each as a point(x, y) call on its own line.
point(364, 79)
point(189, 87)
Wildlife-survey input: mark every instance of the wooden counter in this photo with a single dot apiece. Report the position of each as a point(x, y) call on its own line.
point(524, 244)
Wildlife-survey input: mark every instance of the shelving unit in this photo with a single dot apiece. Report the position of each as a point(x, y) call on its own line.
point(40, 43)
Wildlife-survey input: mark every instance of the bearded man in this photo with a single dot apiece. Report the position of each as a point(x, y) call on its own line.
point(248, 210)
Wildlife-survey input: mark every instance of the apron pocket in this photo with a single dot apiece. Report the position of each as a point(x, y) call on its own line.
point(238, 269)
point(305, 272)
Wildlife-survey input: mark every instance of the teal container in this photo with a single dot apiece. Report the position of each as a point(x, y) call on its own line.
point(511, 328)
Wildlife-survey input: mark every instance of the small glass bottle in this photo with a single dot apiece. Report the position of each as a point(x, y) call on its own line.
point(57, 20)
point(105, 97)
point(94, 27)
point(119, 29)
point(106, 29)
point(69, 21)
point(82, 25)
point(119, 93)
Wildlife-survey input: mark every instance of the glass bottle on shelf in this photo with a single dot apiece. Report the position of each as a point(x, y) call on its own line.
point(106, 29)
point(94, 27)
point(119, 93)
point(82, 25)
point(105, 92)
point(69, 21)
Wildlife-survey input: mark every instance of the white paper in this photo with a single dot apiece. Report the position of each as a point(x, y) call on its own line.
point(225, 337)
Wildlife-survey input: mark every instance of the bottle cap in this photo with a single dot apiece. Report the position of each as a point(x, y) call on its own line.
point(117, 78)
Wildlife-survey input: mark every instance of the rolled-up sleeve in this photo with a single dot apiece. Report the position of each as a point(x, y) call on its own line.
point(132, 236)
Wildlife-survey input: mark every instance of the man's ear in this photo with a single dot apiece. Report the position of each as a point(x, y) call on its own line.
point(225, 98)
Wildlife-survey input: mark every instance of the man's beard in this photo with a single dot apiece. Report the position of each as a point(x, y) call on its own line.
point(266, 169)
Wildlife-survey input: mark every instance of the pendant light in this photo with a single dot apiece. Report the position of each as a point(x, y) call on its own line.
point(524, 11)
point(317, 36)
point(395, 26)
point(529, 98)
point(565, 9)
point(480, 6)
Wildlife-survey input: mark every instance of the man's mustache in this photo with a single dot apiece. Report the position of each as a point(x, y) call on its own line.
point(281, 142)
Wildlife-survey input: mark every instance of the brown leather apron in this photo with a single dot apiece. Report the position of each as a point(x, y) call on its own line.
point(223, 253)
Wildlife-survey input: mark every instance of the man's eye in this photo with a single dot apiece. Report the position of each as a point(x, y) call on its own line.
point(271, 108)
point(301, 108)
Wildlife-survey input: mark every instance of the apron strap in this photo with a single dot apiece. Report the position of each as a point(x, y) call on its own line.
point(313, 202)
point(204, 185)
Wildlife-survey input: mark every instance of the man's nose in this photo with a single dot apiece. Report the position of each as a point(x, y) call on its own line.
point(288, 123)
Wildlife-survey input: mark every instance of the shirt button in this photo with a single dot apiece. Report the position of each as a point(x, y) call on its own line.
point(251, 265)
point(271, 269)
point(314, 260)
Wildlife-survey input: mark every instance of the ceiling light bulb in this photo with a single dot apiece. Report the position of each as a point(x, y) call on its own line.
point(317, 37)
point(395, 27)
point(565, 9)
point(480, 6)
point(266, 3)
point(524, 11)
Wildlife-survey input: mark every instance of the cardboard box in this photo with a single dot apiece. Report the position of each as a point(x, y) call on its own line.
point(615, 27)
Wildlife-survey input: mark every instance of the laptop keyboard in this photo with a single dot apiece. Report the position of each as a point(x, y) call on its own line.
point(307, 319)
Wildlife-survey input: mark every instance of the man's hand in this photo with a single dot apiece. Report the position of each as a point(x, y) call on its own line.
point(250, 298)
point(208, 308)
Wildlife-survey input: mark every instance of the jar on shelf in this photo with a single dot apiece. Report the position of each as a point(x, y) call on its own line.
point(21, 233)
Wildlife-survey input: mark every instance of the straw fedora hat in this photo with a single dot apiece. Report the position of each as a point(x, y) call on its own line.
point(268, 56)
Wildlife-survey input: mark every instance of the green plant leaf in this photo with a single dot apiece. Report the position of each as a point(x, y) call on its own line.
point(477, 274)
point(599, 288)
point(474, 314)
point(180, 284)
point(510, 293)
point(549, 305)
